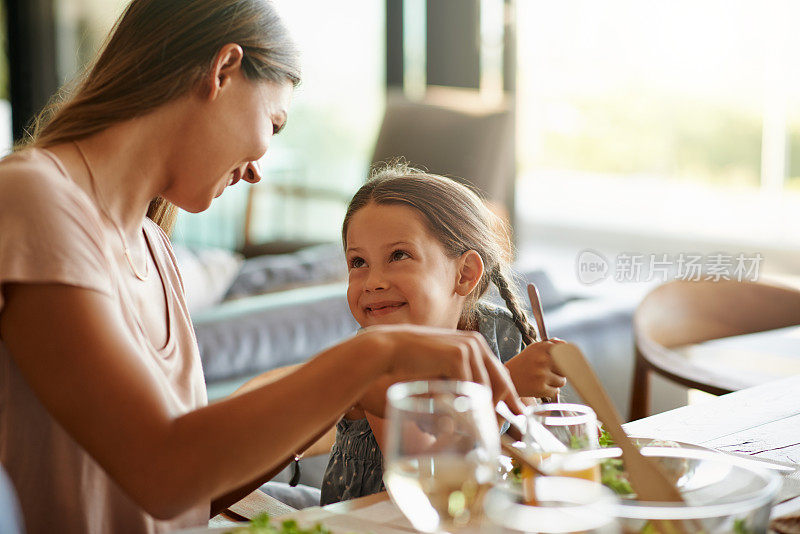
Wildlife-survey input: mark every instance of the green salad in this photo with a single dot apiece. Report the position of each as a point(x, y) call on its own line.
point(262, 525)
point(612, 471)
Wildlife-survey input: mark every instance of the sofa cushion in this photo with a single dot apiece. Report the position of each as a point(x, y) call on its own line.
point(10, 516)
point(245, 336)
point(318, 264)
point(207, 273)
point(298, 497)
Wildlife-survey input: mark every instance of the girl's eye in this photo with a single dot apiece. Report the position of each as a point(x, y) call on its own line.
point(399, 255)
point(355, 263)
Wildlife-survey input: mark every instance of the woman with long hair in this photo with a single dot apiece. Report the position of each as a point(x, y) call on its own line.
point(104, 423)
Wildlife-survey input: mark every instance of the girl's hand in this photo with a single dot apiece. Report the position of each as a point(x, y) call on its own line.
point(417, 353)
point(533, 371)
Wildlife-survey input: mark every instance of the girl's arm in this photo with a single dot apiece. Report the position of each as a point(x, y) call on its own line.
point(74, 350)
point(376, 421)
point(412, 433)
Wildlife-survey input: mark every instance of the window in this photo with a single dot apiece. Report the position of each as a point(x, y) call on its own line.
point(323, 154)
point(81, 27)
point(6, 140)
point(672, 117)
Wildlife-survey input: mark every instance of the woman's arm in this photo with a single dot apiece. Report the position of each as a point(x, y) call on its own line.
point(220, 504)
point(265, 378)
point(74, 350)
point(319, 444)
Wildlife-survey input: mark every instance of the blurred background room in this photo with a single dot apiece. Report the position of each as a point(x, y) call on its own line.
point(622, 129)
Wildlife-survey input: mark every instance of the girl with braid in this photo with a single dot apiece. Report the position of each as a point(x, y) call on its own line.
point(422, 249)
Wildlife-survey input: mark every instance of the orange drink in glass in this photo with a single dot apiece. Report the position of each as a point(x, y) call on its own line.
point(568, 428)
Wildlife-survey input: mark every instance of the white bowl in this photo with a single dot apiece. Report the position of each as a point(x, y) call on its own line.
point(566, 505)
point(722, 496)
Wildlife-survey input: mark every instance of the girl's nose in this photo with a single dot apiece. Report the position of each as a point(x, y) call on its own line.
point(376, 281)
point(252, 172)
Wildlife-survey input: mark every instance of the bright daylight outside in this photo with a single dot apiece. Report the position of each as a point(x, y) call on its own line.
point(645, 117)
point(675, 117)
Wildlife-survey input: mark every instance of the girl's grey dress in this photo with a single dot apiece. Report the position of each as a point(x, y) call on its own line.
point(355, 467)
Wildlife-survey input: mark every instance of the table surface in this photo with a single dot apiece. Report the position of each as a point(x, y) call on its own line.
point(762, 422)
point(751, 359)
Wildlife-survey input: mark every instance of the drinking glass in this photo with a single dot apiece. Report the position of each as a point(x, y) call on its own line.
point(574, 425)
point(441, 452)
point(555, 432)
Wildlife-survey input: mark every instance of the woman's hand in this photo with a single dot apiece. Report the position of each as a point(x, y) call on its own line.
point(417, 352)
point(533, 371)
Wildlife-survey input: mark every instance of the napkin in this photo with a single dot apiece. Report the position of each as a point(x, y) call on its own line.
point(791, 487)
point(786, 525)
point(788, 511)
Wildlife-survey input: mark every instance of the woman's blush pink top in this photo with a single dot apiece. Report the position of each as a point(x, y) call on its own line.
point(52, 232)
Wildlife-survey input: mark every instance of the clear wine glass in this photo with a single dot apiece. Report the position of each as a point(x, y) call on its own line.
point(441, 452)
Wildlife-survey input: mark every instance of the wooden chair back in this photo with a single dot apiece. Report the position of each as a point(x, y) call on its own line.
point(681, 313)
point(452, 132)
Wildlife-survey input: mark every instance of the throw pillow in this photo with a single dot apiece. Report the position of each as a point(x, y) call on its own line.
point(207, 274)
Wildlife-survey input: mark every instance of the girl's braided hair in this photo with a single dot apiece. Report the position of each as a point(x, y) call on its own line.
point(460, 220)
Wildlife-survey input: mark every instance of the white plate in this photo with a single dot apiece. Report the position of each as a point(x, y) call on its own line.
point(742, 459)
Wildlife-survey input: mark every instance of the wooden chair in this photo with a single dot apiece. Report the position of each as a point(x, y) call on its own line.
point(453, 132)
point(681, 313)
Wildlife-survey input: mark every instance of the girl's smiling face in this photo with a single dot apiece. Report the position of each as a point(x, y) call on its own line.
point(398, 271)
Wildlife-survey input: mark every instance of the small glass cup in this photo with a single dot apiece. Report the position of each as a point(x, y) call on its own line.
point(555, 432)
point(574, 425)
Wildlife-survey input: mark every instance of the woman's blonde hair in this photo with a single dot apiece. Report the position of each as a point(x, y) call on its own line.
point(458, 218)
point(158, 51)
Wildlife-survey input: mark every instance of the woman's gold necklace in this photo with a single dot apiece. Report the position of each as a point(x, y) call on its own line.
point(126, 251)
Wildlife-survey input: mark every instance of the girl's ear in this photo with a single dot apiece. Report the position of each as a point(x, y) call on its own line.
point(470, 271)
point(227, 61)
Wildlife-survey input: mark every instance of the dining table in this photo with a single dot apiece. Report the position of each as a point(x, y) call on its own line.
point(760, 423)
